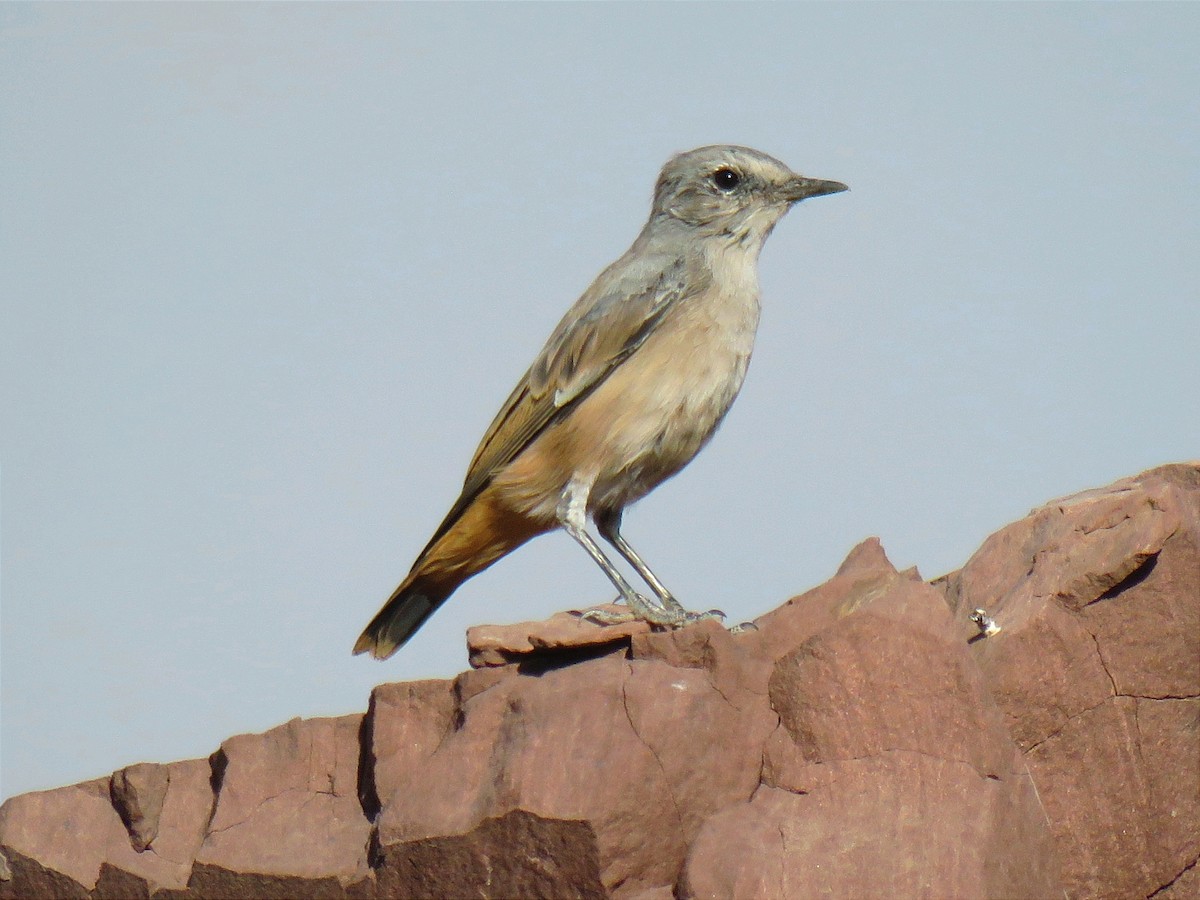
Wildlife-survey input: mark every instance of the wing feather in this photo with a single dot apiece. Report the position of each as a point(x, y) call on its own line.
point(604, 327)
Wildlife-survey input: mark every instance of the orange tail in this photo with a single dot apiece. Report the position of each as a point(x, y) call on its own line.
point(468, 541)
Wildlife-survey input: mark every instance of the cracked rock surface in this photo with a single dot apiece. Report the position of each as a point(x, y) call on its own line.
point(865, 740)
point(1097, 671)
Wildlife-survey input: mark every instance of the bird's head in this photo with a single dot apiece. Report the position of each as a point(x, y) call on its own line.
point(733, 191)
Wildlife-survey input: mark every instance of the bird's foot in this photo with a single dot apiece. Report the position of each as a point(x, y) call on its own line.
point(602, 616)
point(670, 603)
point(645, 610)
point(640, 608)
point(667, 602)
point(690, 617)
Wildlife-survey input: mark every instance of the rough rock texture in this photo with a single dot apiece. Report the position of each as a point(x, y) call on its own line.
point(138, 793)
point(499, 645)
point(864, 741)
point(1097, 670)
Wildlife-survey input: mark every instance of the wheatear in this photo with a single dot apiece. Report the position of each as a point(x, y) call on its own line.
point(632, 383)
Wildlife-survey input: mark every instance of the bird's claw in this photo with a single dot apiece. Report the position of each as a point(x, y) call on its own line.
point(690, 617)
point(606, 616)
point(646, 611)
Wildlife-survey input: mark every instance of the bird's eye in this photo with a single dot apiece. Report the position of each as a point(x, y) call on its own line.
point(726, 179)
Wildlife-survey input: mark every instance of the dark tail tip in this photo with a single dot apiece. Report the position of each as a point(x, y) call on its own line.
point(398, 621)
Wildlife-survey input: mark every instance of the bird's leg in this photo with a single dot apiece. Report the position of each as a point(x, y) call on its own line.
point(572, 515)
point(608, 523)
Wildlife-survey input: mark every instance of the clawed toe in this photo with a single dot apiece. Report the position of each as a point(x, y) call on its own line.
point(607, 616)
point(643, 610)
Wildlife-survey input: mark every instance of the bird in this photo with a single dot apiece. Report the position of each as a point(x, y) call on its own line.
point(630, 386)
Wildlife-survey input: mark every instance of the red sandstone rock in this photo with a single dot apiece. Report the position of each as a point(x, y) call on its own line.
point(288, 809)
point(287, 823)
point(891, 773)
point(73, 838)
point(865, 740)
point(1097, 670)
point(499, 645)
point(138, 793)
point(565, 745)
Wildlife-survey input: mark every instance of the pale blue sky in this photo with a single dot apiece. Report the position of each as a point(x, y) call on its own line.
point(268, 271)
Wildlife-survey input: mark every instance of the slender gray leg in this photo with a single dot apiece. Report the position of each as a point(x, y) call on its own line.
point(608, 523)
point(573, 518)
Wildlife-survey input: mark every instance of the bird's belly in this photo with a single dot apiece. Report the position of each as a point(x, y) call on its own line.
point(655, 413)
point(645, 421)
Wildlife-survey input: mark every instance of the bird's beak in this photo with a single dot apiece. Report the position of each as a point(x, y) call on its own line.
point(800, 188)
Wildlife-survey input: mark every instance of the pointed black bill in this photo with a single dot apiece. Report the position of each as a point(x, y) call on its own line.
point(801, 188)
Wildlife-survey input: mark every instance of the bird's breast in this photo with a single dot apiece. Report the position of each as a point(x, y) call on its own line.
point(655, 413)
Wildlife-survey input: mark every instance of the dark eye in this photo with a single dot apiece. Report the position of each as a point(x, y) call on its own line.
point(726, 179)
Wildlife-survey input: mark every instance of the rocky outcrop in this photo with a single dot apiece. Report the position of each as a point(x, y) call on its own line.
point(1098, 674)
point(867, 738)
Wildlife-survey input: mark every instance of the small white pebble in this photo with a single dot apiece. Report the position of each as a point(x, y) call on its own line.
point(986, 624)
